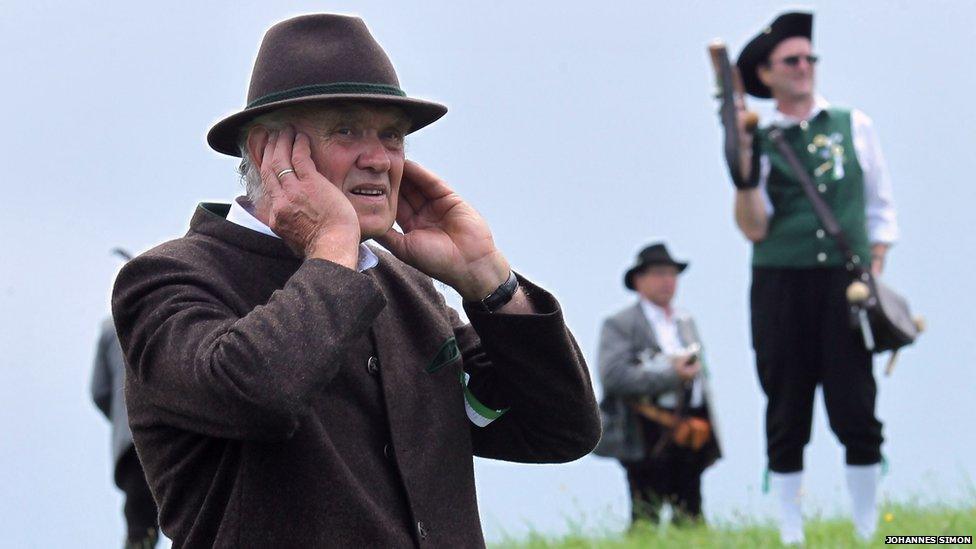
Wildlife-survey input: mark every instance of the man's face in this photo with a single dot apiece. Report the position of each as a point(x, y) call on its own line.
point(657, 284)
point(359, 148)
point(788, 73)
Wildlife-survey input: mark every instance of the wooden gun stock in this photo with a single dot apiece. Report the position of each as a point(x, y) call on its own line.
point(730, 91)
point(720, 58)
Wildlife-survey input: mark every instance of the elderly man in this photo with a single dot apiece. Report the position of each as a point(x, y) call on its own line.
point(291, 386)
point(801, 332)
point(650, 365)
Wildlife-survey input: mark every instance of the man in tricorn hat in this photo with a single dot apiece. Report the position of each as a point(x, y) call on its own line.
point(290, 386)
point(800, 324)
point(656, 406)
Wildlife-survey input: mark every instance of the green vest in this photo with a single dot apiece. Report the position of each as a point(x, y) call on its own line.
point(795, 237)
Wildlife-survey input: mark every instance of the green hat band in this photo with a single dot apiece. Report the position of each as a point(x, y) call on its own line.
point(328, 89)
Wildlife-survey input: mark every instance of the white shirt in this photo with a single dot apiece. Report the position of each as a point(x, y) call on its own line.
point(666, 333)
point(240, 214)
point(882, 223)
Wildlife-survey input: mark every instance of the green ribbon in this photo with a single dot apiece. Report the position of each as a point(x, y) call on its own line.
point(478, 413)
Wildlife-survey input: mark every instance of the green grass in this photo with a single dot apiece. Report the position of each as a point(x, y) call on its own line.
point(896, 519)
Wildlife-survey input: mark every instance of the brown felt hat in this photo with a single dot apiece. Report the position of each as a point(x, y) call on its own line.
point(314, 58)
point(757, 51)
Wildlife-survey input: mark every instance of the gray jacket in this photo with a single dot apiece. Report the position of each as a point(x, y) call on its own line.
point(631, 365)
point(108, 375)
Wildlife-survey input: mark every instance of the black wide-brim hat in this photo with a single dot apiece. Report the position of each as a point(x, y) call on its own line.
point(757, 51)
point(655, 254)
point(320, 58)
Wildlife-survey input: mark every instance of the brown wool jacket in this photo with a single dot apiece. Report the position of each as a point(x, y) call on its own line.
point(276, 402)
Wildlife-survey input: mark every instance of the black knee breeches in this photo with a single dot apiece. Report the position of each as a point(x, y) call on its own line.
point(802, 338)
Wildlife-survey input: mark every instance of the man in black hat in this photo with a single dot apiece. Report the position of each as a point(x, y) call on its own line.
point(801, 331)
point(290, 386)
point(656, 409)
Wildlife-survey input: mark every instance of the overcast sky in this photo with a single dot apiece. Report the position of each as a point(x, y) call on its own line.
point(580, 133)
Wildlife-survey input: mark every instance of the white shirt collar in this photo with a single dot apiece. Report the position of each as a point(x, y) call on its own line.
point(241, 214)
point(783, 120)
point(367, 259)
point(655, 312)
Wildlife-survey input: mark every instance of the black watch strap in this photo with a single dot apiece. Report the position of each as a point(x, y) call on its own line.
point(497, 299)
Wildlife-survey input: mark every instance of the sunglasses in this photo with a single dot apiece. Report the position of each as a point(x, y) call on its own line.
point(794, 60)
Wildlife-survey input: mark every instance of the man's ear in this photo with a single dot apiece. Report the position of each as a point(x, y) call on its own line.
point(762, 71)
point(257, 140)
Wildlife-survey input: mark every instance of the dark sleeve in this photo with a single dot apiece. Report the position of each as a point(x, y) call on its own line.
point(531, 365)
point(101, 378)
point(199, 366)
point(621, 372)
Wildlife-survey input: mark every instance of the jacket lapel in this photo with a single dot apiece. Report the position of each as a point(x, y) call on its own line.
point(644, 334)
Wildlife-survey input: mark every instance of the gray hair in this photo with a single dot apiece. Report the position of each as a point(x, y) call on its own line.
point(248, 171)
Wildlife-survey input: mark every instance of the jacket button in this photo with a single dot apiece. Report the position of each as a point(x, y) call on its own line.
point(388, 451)
point(822, 188)
point(820, 233)
point(421, 530)
point(373, 365)
point(821, 257)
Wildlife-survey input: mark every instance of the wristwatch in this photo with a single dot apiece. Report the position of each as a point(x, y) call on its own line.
point(497, 299)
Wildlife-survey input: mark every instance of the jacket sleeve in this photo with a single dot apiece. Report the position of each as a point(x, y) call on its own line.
point(101, 378)
point(199, 366)
point(623, 373)
point(530, 365)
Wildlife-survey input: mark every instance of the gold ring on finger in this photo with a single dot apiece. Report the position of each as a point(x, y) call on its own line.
point(285, 171)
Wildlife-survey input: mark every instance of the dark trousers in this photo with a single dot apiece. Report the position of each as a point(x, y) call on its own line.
point(139, 508)
point(802, 336)
point(672, 475)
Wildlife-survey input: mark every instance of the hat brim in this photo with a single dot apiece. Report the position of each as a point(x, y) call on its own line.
point(629, 275)
point(225, 135)
point(757, 51)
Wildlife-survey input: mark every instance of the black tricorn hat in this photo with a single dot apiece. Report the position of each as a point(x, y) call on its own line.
point(655, 254)
point(316, 58)
point(757, 51)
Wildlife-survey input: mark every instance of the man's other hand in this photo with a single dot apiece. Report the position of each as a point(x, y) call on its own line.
point(444, 237)
point(686, 366)
point(878, 253)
